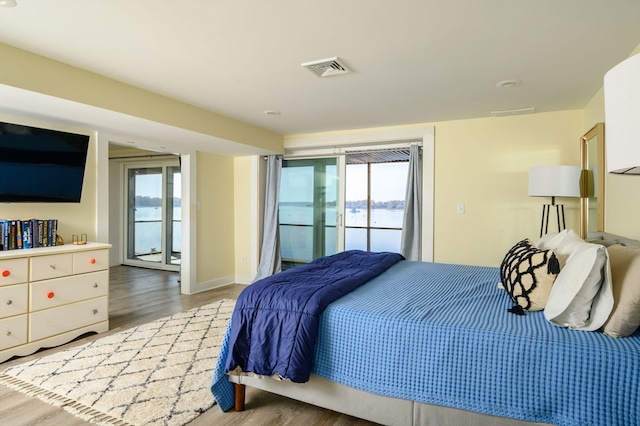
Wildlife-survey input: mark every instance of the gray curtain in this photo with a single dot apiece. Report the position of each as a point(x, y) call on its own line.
point(270, 253)
point(411, 243)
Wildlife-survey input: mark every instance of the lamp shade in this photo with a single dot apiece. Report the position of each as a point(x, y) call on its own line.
point(554, 181)
point(622, 117)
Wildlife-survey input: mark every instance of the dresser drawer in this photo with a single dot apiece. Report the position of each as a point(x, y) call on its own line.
point(14, 300)
point(51, 266)
point(90, 261)
point(61, 291)
point(13, 331)
point(14, 271)
point(65, 318)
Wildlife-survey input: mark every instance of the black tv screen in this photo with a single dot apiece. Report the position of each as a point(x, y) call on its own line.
point(41, 165)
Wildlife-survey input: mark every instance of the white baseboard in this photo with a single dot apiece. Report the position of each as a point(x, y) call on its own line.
point(210, 285)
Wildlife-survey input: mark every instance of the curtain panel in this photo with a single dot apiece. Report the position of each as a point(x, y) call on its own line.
point(270, 258)
point(411, 242)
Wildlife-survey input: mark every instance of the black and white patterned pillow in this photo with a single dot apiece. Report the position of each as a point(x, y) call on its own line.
point(527, 274)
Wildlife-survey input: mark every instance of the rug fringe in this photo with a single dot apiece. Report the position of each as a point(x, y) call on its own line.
point(79, 410)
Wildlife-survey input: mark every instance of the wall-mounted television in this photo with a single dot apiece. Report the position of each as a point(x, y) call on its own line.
point(41, 165)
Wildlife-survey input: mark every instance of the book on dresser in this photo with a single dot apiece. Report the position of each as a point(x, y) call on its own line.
point(3, 241)
point(16, 234)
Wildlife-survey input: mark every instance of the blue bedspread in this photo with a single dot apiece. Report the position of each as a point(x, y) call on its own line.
point(275, 321)
point(441, 334)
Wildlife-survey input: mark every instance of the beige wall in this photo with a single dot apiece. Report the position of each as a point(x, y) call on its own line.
point(73, 218)
point(594, 111)
point(622, 206)
point(484, 163)
point(215, 220)
point(246, 218)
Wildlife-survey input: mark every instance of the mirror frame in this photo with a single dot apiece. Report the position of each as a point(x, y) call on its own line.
point(596, 132)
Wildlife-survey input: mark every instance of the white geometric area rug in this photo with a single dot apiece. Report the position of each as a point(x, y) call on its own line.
point(154, 374)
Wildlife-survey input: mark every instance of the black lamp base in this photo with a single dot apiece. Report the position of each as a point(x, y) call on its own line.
point(546, 208)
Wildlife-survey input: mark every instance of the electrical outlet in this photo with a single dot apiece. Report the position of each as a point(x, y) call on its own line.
point(460, 208)
point(243, 259)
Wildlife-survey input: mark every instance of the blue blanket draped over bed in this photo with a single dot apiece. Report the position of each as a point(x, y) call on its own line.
point(442, 335)
point(275, 321)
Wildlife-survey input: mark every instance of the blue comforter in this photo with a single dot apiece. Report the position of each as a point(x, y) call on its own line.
point(275, 321)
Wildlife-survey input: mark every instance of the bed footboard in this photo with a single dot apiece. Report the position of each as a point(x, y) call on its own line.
point(239, 392)
point(380, 409)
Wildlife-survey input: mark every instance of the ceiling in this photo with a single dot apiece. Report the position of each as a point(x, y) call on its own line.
point(412, 61)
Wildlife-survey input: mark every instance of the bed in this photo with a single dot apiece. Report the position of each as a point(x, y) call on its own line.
point(430, 344)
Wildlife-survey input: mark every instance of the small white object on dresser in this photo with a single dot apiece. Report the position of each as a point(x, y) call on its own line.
point(51, 295)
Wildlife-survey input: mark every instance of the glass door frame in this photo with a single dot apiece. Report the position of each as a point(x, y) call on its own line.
point(164, 165)
point(319, 233)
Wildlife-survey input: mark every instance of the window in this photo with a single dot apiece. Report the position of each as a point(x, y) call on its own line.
point(374, 202)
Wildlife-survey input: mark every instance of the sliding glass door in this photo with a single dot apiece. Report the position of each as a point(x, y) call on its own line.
point(308, 210)
point(314, 198)
point(152, 230)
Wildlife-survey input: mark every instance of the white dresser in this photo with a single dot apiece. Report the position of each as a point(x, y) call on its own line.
point(51, 295)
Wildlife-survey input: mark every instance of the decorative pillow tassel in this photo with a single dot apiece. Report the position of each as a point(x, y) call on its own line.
point(517, 309)
point(553, 266)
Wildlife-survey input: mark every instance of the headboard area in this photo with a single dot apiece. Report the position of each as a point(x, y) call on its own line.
point(624, 257)
point(606, 239)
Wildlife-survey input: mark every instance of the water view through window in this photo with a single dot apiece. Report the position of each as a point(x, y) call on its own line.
point(148, 232)
point(154, 215)
point(308, 200)
point(373, 214)
point(374, 206)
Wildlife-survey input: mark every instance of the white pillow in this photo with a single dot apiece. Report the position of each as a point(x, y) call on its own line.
point(582, 295)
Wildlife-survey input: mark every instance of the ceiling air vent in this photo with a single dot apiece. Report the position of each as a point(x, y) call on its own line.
point(530, 110)
point(327, 67)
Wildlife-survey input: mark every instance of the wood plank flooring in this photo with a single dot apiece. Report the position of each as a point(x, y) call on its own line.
point(138, 296)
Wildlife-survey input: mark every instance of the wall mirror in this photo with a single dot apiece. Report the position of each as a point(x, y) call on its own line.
point(592, 181)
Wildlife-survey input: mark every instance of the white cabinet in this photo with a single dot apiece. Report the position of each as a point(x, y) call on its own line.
point(621, 110)
point(51, 295)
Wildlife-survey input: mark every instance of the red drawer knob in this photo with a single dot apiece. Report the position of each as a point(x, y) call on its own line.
point(51, 295)
point(6, 273)
point(92, 261)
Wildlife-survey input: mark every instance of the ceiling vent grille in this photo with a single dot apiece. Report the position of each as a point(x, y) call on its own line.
point(513, 112)
point(327, 67)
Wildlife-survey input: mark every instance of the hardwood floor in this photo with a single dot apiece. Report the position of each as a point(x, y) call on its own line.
point(138, 296)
